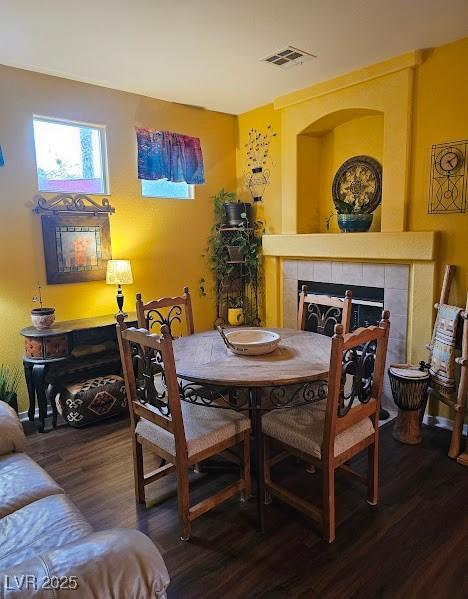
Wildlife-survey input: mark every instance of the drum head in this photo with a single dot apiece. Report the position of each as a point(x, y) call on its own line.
point(407, 371)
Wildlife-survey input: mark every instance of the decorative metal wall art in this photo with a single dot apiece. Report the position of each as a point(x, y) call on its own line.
point(258, 156)
point(358, 183)
point(449, 178)
point(76, 237)
point(74, 203)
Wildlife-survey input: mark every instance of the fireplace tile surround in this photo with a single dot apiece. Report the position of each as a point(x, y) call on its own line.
point(393, 278)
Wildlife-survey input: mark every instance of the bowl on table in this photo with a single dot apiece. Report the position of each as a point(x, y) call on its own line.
point(251, 342)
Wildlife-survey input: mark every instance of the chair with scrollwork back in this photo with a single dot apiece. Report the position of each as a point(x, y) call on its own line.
point(326, 311)
point(153, 313)
point(328, 432)
point(180, 433)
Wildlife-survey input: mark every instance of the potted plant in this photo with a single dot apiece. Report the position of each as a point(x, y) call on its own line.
point(238, 245)
point(235, 310)
point(42, 318)
point(9, 380)
point(237, 213)
point(234, 257)
point(350, 218)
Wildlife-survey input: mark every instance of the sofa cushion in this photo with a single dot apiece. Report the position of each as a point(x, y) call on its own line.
point(22, 481)
point(45, 524)
point(11, 431)
point(117, 564)
point(303, 427)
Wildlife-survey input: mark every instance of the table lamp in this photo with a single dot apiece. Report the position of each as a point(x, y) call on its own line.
point(119, 272)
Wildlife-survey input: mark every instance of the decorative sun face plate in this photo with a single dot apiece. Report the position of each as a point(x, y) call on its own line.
point(358, 182)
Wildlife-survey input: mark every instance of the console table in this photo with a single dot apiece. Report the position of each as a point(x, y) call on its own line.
point(47, 349)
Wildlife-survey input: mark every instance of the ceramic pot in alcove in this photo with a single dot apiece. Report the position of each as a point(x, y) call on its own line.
point(354, 223)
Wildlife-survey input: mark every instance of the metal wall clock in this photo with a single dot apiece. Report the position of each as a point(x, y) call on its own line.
point(358, 182)
point(449, 180)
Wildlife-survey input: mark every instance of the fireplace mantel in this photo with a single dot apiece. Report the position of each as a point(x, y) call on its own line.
point(417, 249)
point(383, 247)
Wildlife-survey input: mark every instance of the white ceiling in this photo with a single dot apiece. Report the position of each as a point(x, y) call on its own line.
point(207, 52)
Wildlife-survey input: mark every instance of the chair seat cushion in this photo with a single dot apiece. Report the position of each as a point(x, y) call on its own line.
point(22, 482)
point(45, 524)
point(302, 428)
point(204, 428)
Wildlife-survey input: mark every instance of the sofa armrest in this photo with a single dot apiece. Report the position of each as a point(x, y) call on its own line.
point(11, 431)
point(114, 563)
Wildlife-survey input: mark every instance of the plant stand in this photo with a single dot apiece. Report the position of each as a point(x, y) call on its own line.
point(238, 282)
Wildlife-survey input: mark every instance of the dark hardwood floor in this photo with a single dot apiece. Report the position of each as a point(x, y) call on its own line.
point(413, 545)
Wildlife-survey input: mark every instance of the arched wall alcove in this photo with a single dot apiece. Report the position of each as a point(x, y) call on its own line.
point(321, 149)
point(385, 94)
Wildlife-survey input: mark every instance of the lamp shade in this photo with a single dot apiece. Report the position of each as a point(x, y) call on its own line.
point(119, 272)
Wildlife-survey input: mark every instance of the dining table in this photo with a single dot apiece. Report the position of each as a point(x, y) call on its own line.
point(294, 374)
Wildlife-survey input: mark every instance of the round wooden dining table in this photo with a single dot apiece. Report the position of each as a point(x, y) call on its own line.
point(300, 363)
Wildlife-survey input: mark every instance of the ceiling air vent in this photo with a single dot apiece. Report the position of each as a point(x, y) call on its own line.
point(289, 57)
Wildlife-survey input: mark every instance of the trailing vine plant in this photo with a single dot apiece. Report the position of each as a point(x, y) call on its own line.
point(247, 238)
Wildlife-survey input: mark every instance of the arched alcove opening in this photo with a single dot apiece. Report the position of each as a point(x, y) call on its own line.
point(322, 147)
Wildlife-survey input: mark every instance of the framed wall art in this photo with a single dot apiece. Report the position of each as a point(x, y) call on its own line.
point(448, 190)
point(76, 238)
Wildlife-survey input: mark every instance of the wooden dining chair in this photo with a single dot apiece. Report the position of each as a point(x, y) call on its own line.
point(329, 432)
point(326, 311)
point(165, 311)
point(179, 432)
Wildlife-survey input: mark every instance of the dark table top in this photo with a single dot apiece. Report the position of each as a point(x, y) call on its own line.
point(80, 324)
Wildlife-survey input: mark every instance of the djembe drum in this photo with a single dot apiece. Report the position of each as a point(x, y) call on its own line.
point(409, 389)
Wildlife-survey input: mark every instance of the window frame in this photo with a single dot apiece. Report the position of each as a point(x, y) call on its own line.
point(102, 146)
point(191, 188)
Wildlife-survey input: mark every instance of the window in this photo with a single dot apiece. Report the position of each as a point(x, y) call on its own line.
point(162, 188)
point(70, 157)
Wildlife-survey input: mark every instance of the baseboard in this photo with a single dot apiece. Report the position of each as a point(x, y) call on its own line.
point(23, 416)
point(442, 422)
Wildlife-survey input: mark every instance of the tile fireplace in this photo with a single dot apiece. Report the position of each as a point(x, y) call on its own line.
point(374, 287)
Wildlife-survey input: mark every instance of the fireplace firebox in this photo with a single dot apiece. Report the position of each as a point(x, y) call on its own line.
point(367, 305)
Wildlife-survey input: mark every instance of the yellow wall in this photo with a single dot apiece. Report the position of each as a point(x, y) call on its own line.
point(320, 156)
point(429, 90)
point(164, 239)
point(270, 208)
point(439, 114)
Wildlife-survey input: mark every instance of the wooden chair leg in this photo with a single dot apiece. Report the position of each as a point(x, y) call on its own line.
point(245, 467)
point(373, 474)
point(138, 474)
point(183, 502)
point(457, 434)
point(328, 510)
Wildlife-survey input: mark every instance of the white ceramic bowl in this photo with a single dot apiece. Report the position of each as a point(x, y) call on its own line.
point(252, 342)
